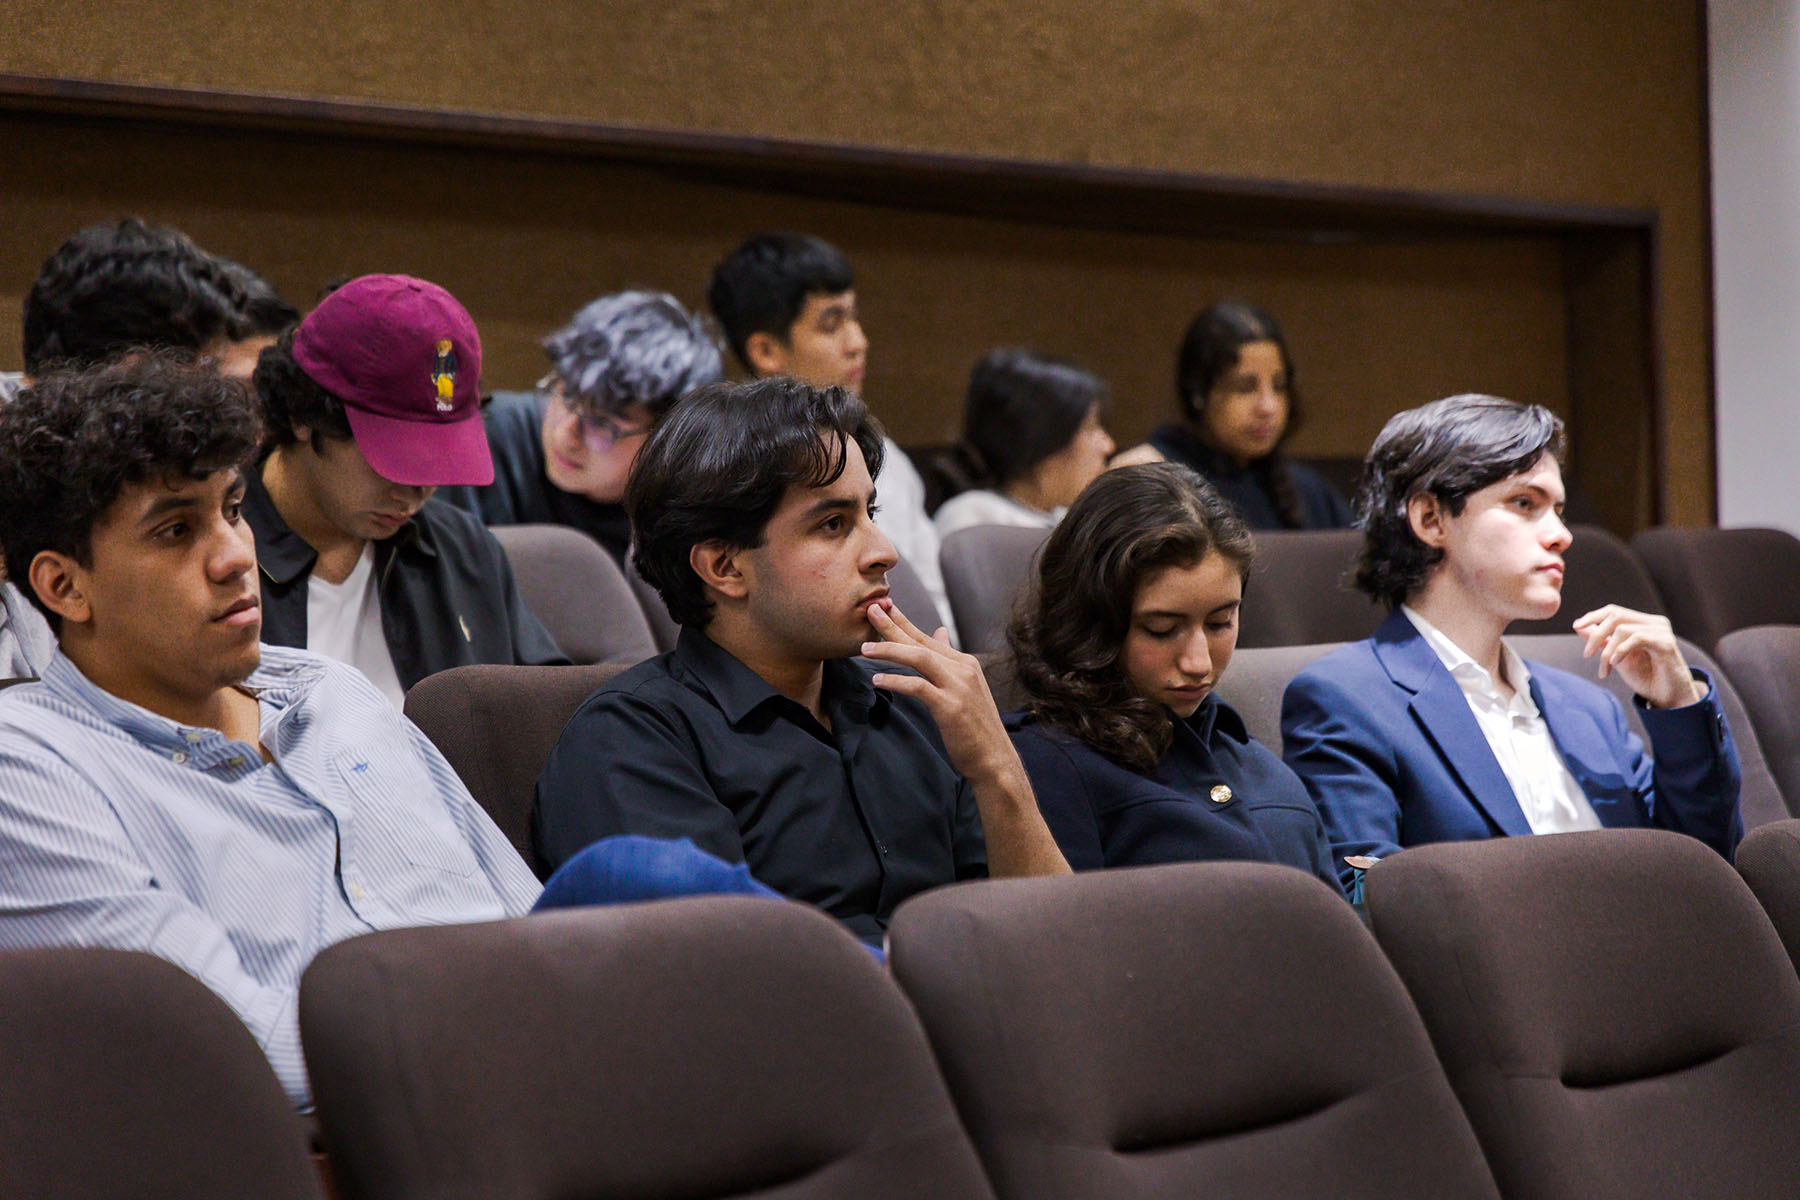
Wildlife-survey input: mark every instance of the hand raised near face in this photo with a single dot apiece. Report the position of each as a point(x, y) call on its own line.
point(950, 684)
point(1641, 648)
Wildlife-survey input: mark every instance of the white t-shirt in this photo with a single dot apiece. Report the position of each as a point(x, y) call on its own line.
point(1547, 792)
point(900, 504)
point(986, 507)
point(343, 621)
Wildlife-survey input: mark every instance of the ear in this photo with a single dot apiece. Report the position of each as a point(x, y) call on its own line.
point(1425, 513)
point(766, 353)
point(718, 567)
point(58, 581)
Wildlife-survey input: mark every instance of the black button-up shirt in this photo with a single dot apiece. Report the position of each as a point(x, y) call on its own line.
point(446, 591)
point(522, 493)
point(694, 744)
point(1216, 794)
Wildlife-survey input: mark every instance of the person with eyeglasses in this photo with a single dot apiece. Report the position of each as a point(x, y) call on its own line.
point(562, 452)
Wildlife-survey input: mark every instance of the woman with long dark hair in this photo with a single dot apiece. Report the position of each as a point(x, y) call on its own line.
point(1130, 625)
point(1235, 383)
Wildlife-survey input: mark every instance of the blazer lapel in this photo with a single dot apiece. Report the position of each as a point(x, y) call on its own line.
point(1442, 711)
point(1587, 752)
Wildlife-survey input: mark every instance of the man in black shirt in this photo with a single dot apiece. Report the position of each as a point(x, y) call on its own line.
point(562, 453)
point(371, 402)
point(758, 737)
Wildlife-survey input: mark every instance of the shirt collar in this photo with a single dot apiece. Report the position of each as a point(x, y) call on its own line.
point(1471, 675)
point(284, 555)
point(739, 691)
point(280, 680)
point(1216, 716)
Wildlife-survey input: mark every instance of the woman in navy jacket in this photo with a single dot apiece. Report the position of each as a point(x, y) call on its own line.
point(1129, 627)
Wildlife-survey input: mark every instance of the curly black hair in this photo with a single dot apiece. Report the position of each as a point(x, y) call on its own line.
point(124, 284)
point(719, 466)
point(73, 440)
point(1450, 448)
point(1067, 633)
point(290, 398)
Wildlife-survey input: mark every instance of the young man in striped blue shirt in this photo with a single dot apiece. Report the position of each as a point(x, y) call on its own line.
point(169, 784)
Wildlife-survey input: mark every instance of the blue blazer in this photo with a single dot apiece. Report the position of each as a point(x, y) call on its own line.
point(1393, 757)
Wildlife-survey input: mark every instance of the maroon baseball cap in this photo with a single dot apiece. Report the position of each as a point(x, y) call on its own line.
point(405, 359)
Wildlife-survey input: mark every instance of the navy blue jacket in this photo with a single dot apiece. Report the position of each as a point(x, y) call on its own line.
point(1103, 814)
point(1390, 751)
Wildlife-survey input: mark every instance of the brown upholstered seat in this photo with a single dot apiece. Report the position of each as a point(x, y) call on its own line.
point(1713, 581)
point(580, 594)
point(1769, 860)
point(124, 1078)
point(1255, 680)
point(986, 570)
point(1760, 799)
point(1207, 1029)
point(1613, 1008)
point(712, 1047)
point(1763, 664)
point(497, 724)
point(1298, 592)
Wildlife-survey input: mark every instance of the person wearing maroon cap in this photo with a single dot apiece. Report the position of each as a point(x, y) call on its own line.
point(372, 402)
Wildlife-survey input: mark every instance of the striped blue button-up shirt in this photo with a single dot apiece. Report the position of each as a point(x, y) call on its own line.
point(122, 828)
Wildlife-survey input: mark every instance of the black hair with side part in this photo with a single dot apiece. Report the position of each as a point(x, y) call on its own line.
point(125, 285)
point(719, 465)
point(1450, 449)
point(1021, 408)
point(291, 399)
point(73, 440)
point(1067, 634)
point(762, 286)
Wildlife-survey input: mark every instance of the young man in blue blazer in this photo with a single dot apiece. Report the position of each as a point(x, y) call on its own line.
point(1434, 729)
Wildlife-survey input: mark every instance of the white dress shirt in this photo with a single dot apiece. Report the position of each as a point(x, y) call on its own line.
point(1548, 794)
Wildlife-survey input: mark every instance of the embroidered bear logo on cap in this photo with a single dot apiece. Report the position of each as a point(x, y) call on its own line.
point(443, 374)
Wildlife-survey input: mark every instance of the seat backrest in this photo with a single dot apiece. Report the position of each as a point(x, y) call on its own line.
point(497, 724)
point(1599, 569)
point(716, 1046)
point(1769, 860)
point(1763, 664)
point(986, 569)
point(1760, 798)
point(122, 1077)
point(1298, 592)
point(662, 626)
point(1205, 1029)
point(1614, 1010)
point(1255, 680)
point(578, 592)
point(1713, 581)
point(913, 598)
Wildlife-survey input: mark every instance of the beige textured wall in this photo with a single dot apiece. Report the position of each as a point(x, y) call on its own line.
point(1597, 102)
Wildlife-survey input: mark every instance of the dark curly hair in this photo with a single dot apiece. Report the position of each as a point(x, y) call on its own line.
point(290, 398)
point(1209, 350)
point(1450, 448)
point(124, 284)
point(719, 465)
point(1067, 633)
point(73, 441)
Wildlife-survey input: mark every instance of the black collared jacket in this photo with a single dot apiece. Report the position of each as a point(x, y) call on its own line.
point(447, 593)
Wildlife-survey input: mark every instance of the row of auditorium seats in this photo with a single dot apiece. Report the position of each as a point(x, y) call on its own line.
point(1581, 1016)
point(497, 724)
point(1709, 582)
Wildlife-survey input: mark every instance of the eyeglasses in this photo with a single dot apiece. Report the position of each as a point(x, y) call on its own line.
point(599, 431)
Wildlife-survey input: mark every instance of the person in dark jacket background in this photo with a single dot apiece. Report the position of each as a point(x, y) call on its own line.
point(1235, 384)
